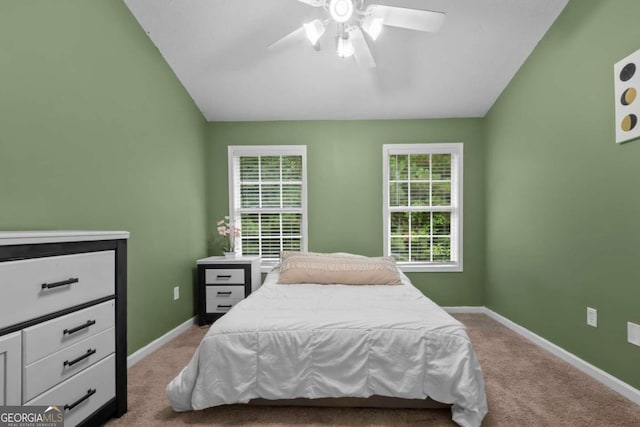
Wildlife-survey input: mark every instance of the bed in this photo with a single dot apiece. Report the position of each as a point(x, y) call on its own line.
point(319, 341)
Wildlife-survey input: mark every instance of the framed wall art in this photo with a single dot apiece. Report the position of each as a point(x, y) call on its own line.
point(627, 86)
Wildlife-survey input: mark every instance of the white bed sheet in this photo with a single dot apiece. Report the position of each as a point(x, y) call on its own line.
point(319, 341)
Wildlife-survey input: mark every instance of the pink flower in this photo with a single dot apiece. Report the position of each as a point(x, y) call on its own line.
point(229, 232)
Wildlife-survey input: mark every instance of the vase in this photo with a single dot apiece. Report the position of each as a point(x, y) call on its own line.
point(229, 254)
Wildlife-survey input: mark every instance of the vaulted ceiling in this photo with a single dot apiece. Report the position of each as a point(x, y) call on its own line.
point(218, 50)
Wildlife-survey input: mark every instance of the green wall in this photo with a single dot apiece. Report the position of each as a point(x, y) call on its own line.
point(97, 133)
point(344, 162)
point(562, 198)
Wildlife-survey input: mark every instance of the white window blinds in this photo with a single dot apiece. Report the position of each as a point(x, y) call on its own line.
point(268, 196)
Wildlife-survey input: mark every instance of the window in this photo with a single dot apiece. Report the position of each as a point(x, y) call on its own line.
point(268, 199)
point(422, 205)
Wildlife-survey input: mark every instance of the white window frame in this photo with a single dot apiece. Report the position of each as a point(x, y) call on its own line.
point(270, 150)
point(456, 150)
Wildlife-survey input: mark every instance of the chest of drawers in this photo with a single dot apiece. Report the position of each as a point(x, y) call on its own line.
point(224, 282)
point(63, 323)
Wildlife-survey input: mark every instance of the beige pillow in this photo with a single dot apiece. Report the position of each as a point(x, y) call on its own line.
point(345, 269)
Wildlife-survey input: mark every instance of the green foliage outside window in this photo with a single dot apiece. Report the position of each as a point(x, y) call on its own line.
point(420, 181)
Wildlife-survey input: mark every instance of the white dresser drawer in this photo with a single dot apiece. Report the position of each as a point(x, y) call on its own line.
point(217, 305)
point(95, 385)
point(46, 338)
point(10, 369)
point(224, 276)
point(225, 292)
point(47, 372)
point(39, 286)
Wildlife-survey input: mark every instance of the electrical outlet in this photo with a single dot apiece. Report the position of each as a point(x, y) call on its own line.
point(592, 317)
point(176, 293)
point(633, 333)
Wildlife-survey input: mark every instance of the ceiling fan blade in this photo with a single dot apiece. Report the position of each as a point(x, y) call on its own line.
point(412, 19)
point(314, 3)
point(363, 55)
point(292, 38)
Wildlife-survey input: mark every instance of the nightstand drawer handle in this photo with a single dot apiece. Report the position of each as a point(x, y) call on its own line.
point(224, 293)
point(78, 328)
point(224, 306)
point(62, 283)
point(90, 393)
point(79, 359)
point(223, 276)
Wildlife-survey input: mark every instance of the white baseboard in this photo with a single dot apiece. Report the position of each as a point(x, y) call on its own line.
point(466, 309)
point(594, 372)
point(159, 342)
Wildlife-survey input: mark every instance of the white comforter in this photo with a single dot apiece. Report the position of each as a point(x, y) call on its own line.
point(316, 341)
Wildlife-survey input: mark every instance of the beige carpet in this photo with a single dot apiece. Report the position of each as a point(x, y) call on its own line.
point(526, 386)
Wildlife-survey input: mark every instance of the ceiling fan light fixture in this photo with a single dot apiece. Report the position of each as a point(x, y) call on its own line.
point(341, 10)
point(314, 30)
point(372, 26)
point(345, 47)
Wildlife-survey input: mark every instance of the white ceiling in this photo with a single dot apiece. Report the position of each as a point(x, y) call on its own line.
point(218, 50)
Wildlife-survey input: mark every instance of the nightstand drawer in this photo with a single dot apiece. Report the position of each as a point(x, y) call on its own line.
point(49, 337)
point(220, 299)
point(45, 285)
point(53, 369)
point(82, 394)
point(224, 276)
point(225, 292)
point(218, 305)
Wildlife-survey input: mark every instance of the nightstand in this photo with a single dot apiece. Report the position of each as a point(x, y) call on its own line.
point(224, 282)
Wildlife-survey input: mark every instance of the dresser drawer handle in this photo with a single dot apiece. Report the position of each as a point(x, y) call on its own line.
point(224, 293)
point(90, 393)
point(223, 276)
point(79, 359)
point(224, 306)
point(78, 328)
point(58, 284)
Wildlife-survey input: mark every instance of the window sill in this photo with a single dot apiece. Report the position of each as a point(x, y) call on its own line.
point(429, 268)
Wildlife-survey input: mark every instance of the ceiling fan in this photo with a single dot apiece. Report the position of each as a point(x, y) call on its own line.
point(351, 19)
